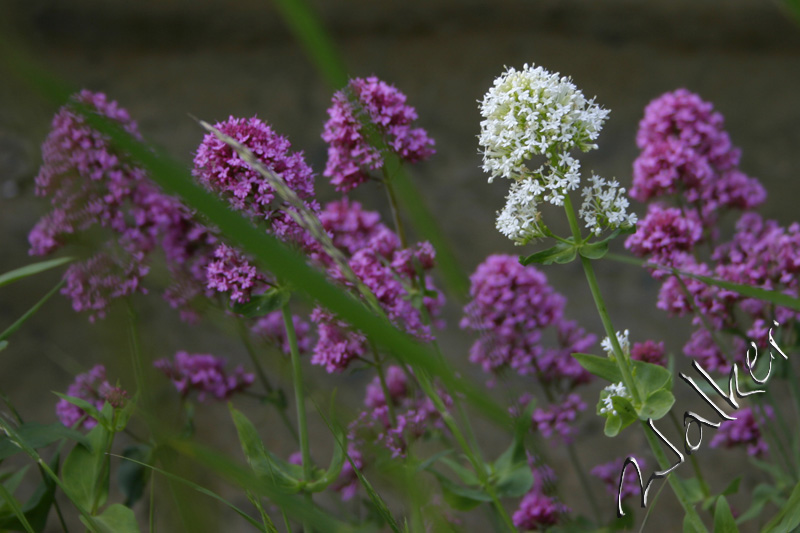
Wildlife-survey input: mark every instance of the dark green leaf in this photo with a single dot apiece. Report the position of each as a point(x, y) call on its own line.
point(85, 473)
point(262, 461)
point(132, 476)
point(116, 519)
point(762, 494)
point(561, 253)
point(723, 518)
point(335, 467)
point(515, 483)
point(733, 487)
point(30, 270)
point(464, 474)
point(788, 518)
point(459, 497)
point(263, 304)
point(16, 509)
point(35, 510)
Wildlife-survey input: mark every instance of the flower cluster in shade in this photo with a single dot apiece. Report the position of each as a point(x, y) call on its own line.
point(205, 375)
point(396, 276)
point(539, 509)
point(415, 414)
point(609, 474)
point(222, 170)
point(686, 154)
point(370, 103)
point(744, 431)
point(530, 114)
point(522, 328)
point(94, 388)
point(91, 184)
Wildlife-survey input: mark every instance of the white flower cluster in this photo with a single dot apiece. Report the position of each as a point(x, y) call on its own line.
point(615, 389)
point(605, 206)
point(624, 343)
point(528, 113)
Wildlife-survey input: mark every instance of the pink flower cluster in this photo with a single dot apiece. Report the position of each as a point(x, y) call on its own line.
point(393, 274)
point(92, 184)
point(204, 374)
point(94, 388)
point(539, 509)
point(271, 328)
point(559, 418)
point(350, 155)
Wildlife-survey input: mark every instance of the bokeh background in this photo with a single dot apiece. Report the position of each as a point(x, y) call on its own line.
point(167, 60)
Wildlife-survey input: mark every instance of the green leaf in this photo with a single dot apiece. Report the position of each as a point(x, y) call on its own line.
point(561, 253)
point(35, 510)
point(132, 476)
point(657, 405)
point(466, 475)
point(16, 509)
point(116, 519)
point(613, 425)
point(263, 304)
point(626, 415)
point(31, 270)
point(650, 378)
point(595, 250)
point(335, 467)
point(788, 518)
point(694, 490)
point(602, 367)
point(733, 487)
point(762, 494)
point(38, 436)
point(85, 466)
point(261, 460)
point(723, 518)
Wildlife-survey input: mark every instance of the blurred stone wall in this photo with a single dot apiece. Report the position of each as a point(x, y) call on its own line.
point(165, 61)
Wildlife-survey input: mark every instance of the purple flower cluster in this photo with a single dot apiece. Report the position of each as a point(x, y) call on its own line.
point(350, 156)
point(271, 328)
point(513, 307)
point(204, 374)
point(664, 233)
point(94, 388)
point(395, 275)
point(559, 418)
point(744, 431)
point(91, 184)
point(414, 414)
point(686, 151)
point(538, 511)
point(221, 169)
point(609, 473)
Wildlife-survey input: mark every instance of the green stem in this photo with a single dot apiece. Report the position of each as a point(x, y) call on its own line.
point(262, 377)
point(152, 510)
point(300, 400)
point(674, 482)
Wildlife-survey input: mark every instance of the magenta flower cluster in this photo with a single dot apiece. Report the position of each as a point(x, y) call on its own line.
point(744, 431)
point(205, 375)
point(539, 509)
point(94, 388)
point(350, 154)
point(91, 184)
point(686, 151)
point(559, 418)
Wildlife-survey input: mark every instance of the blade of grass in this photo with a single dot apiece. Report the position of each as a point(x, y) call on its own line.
point(777, 298)
point(196, 487)
point(14, 504)
point(29, 313)
point(30, 270)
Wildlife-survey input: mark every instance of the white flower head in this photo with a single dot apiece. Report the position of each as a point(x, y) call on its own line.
point(605, 206)
point(606, 395)
point(624, 343)
point(530, 113)
point(534, 112)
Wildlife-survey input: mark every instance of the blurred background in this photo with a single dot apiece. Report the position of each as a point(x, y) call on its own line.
point(167, 60)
